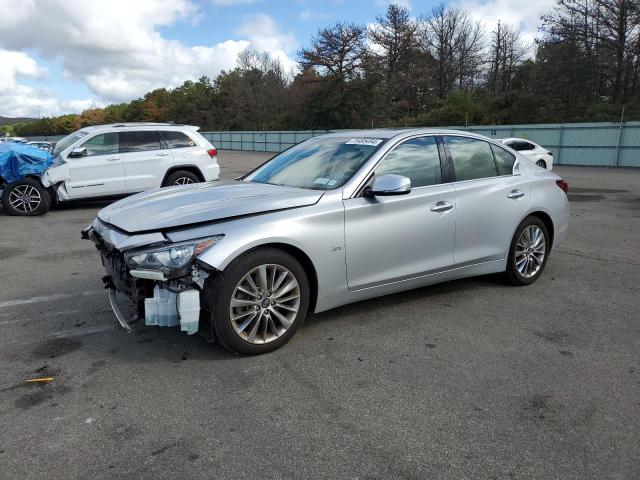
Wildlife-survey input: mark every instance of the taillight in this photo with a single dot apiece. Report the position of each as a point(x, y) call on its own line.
point(563, 185)
point(212, 152)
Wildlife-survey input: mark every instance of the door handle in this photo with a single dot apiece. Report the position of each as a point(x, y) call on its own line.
point(441, 206)
point(162, 154)
point(515, 194)
point(112, 159)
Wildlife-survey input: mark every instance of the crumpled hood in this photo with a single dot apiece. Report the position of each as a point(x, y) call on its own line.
point(166, 208)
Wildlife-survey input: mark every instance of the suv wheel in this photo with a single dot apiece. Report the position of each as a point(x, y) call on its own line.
point(26, 197)
point(259, 301)
point(181, 177)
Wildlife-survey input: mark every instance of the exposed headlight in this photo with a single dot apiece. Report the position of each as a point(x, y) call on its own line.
point(172, 257)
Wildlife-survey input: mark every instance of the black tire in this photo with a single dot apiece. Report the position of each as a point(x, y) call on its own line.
point(219, 290)
point(39, 203)
point(181, 177)
point(512, 273)
point(542, 163)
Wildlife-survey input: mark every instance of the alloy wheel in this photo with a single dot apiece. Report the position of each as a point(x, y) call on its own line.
point(530, 251)
point(183, 181)
point(541, 163)
point(25, 198)
point(264, 304)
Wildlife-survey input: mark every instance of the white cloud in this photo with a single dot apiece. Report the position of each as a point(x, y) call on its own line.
point(522, 13)
point(116, 49)
point(307, 15)
point(263, 34)
point(14, 64)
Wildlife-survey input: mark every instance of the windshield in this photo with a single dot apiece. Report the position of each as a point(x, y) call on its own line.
point(67, 141)
point(321, 163)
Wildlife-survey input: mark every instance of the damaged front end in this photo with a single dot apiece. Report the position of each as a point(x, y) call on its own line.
point(164, 280)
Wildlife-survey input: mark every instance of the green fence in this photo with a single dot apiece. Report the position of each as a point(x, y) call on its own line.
point(591, 144)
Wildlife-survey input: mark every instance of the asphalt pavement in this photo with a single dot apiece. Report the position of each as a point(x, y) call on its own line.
point(467, 379)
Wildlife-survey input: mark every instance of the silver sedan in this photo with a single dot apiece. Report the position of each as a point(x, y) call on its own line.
point(335, 219)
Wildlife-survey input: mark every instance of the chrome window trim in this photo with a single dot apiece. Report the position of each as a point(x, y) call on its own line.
point(353, 187)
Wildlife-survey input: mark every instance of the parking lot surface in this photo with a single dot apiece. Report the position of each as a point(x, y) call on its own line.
point(468, 379)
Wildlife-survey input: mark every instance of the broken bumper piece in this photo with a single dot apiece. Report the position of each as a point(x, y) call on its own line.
point(165, 309)
point(116, 310)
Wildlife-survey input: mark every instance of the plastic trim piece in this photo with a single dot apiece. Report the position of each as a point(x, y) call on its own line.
point(116, 310)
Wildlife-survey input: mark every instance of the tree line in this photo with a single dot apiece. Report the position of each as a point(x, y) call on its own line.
point(441, 68)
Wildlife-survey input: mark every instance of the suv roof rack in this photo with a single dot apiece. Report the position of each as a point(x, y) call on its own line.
point(147, 124)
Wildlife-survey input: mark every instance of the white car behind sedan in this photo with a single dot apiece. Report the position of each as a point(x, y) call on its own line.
point(534, 152)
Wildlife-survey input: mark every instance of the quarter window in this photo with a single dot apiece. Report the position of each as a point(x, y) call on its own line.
point(142, 140)
point(504, 160)
point(177, 140)
point(472, 158)
point(418, 159)
point(103, 144)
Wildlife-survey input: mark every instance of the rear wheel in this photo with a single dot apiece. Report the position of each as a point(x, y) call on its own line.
point(541, 163)
point(530, 248)
point(259, 301)
point(181, 177)
point(26, 197)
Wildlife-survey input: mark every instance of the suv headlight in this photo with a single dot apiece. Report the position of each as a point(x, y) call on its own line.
point(171, 258)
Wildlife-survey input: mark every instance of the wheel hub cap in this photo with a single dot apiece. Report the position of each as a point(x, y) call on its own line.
point(24, 198)
point(264, 304)
point(530, 251)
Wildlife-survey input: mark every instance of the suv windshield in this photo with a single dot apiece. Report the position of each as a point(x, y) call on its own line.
point(67, 142)
point(321, 163)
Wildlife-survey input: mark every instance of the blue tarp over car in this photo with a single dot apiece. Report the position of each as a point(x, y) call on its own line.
point(18, 160)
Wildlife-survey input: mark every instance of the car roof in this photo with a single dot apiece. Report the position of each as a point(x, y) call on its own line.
point(141, 125)
point(398, 132)
point(516, 139)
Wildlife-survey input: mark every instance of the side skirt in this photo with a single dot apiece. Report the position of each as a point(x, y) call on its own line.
point(333, 300)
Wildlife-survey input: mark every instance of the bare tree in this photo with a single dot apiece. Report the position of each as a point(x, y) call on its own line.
point(336, 50)
point(606, 33)
point(456, 43)
point(394, 54)
point(506, 53)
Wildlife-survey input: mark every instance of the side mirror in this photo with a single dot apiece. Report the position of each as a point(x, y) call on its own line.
point(388, 185)
point(78, 152)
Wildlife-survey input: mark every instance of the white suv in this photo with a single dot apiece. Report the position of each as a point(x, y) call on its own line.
point(115, 160)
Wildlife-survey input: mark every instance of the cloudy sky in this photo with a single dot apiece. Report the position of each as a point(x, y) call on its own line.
point(62, 56)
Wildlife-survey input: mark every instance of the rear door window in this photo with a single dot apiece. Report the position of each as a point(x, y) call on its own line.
point(523, 146)
point(504, 160)
point(177, 140)
point(103, 144)
point(472, 158)
point(142, 140)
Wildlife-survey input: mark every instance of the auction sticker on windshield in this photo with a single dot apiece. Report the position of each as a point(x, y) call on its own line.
point(374, 142)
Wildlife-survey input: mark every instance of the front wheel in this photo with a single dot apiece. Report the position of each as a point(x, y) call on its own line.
point(259, 301)
point(26, 197)
point(528, 253)
point(542, 163)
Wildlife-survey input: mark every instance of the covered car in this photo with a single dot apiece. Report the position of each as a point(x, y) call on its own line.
point(20, 166)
